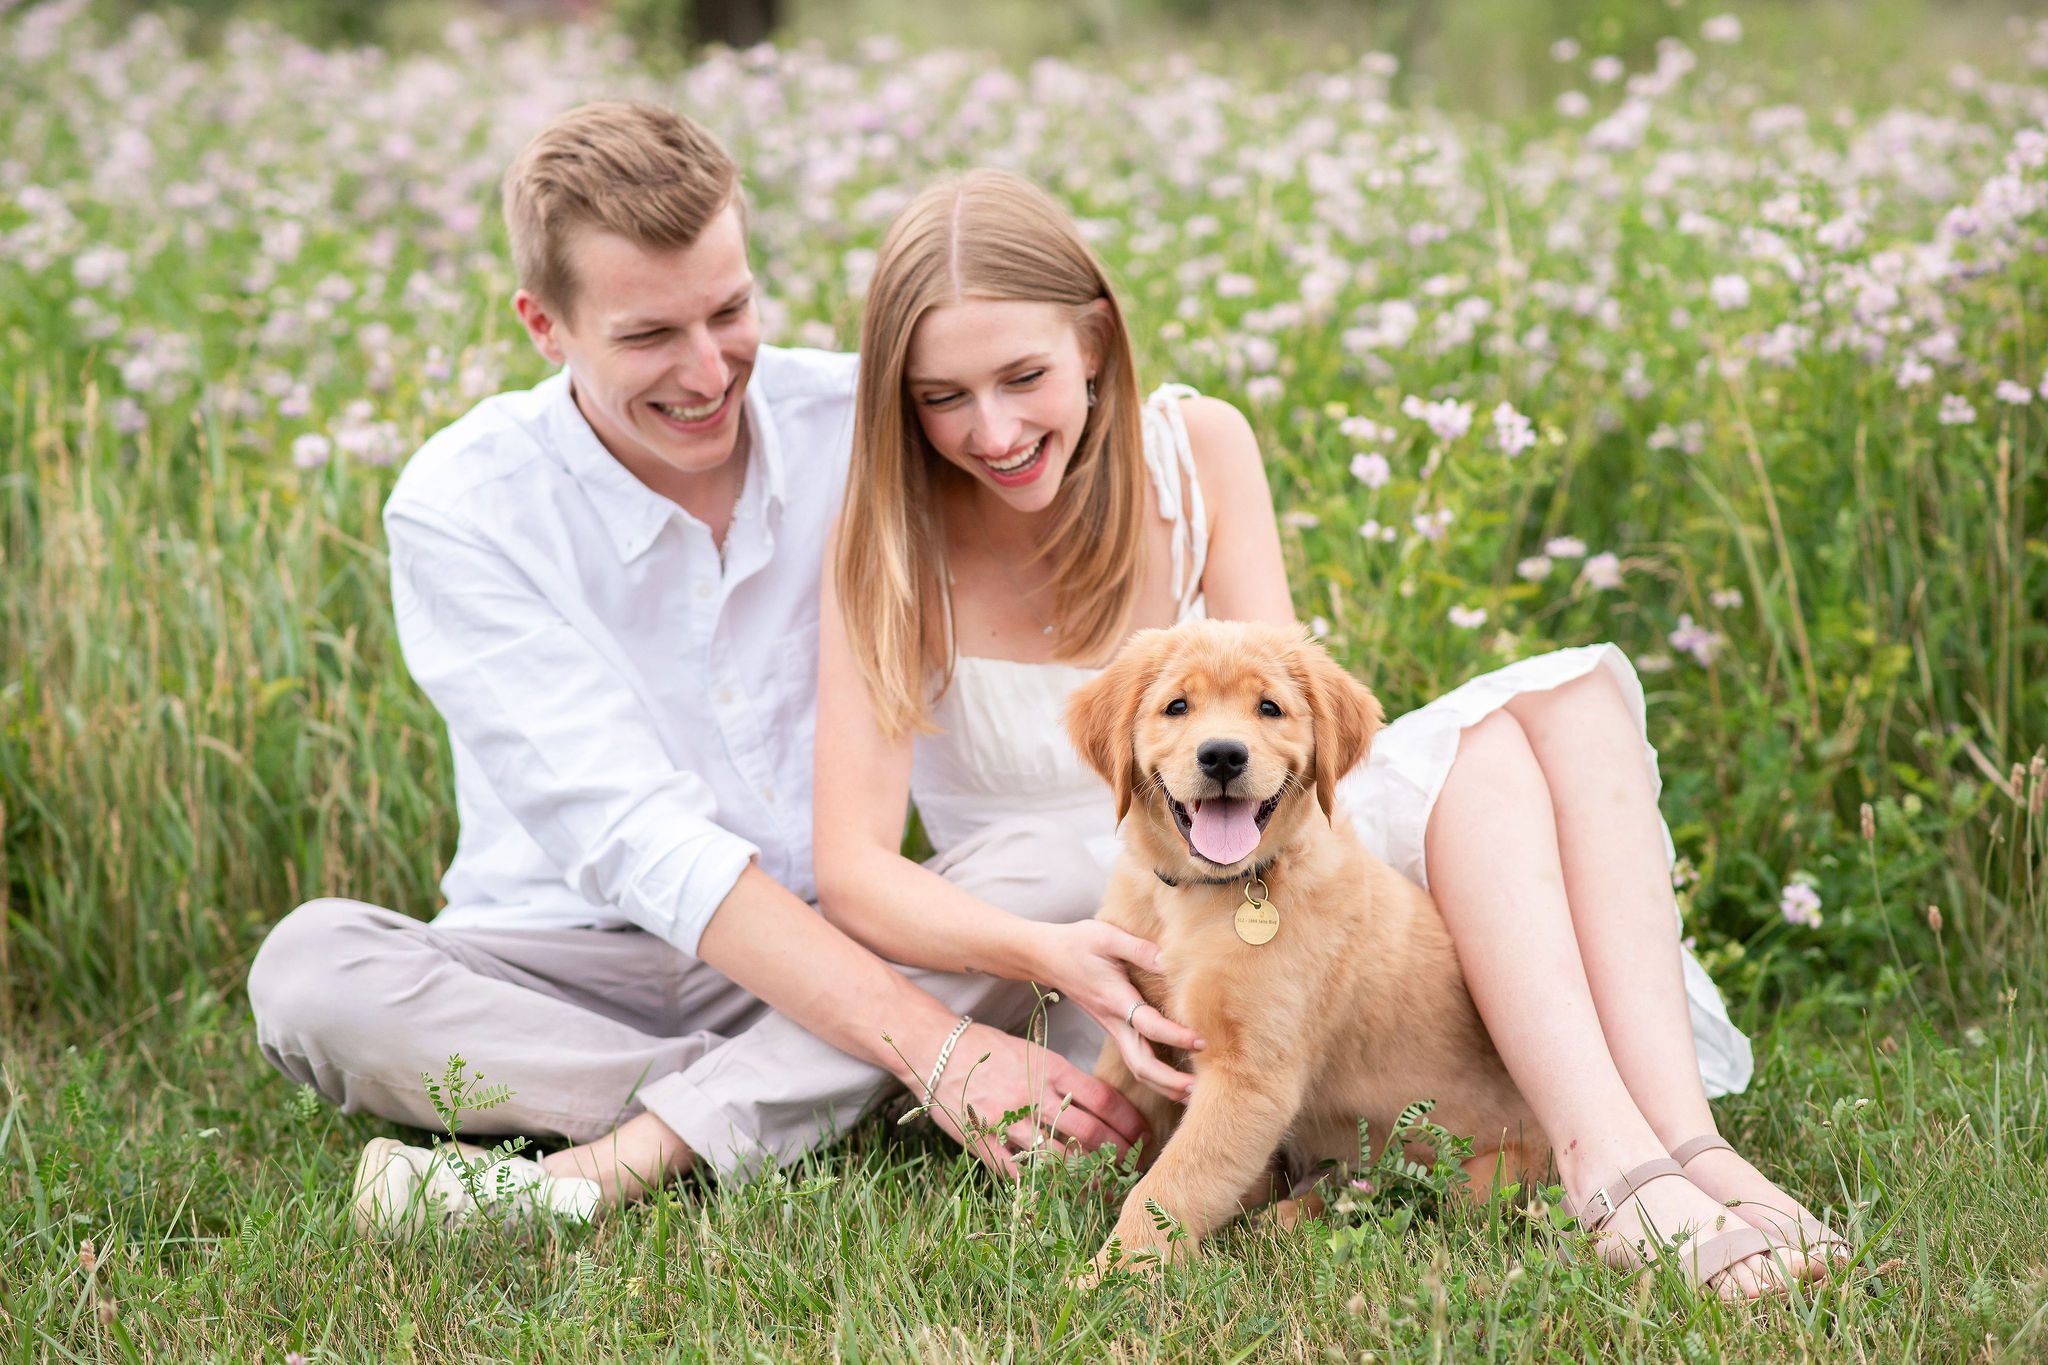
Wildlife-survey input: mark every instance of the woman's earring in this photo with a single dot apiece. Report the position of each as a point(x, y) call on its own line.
point(1091, 391)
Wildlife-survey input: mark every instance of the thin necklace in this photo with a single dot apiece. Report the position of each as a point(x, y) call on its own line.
point(981, 523)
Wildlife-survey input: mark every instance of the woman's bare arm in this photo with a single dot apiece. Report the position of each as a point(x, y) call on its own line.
point(1245, 578)
point(859, 797)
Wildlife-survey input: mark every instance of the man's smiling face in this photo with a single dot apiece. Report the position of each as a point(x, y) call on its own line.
point(659, 345)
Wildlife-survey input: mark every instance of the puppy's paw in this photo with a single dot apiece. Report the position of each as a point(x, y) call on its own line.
point(1289, 1214)
point(1114, 1256)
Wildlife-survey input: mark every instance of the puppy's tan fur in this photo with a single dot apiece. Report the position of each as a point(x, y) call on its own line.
point(1354, 1009)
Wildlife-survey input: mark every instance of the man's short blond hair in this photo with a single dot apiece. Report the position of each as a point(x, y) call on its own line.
point(626, 167)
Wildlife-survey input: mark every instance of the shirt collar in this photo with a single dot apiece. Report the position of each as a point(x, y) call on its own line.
point(765, 443)
point(633, 514)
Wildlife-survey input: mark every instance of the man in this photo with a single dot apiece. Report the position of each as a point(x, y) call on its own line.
point(607, 584)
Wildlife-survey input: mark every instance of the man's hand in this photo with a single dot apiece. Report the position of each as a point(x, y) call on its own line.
point(1079, 1111)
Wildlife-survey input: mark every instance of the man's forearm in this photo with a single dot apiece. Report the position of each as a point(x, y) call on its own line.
point(782, 951)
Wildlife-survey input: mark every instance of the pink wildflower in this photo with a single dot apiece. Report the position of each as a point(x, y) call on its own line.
point(1799, 903)
point(1722, 28)
point(1696, 640)
point(1371, 469)
point(1512, 432)
point(1602, 571)
point(1467, 618)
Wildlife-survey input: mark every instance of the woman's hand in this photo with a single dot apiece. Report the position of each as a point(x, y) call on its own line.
point(1090, 963)
point(992, 1073)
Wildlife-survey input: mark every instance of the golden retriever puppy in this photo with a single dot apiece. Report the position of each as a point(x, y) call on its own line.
point(1322, 981)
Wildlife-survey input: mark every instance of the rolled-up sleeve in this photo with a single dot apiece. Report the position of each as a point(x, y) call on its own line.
point(559, 730)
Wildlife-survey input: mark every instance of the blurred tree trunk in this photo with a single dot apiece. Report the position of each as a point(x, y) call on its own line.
point(573, 10)
point(739, 23)
point(1408, 26)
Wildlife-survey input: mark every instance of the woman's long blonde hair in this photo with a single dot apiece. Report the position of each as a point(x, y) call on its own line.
point(986, 235)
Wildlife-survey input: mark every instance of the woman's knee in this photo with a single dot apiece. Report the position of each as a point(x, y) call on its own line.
point(1495, 749)
point(1588, 699)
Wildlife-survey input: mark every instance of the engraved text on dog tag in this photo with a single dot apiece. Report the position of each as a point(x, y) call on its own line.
point(1257, 919)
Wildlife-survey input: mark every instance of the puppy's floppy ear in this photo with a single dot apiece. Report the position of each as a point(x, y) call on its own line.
point(1345, 713)
point(1102, 714)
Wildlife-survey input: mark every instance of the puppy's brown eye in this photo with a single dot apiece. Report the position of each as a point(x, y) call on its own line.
point(1267, 708)
point(1177, 707)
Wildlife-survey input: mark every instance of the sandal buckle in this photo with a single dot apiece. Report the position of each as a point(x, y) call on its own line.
point(1605, 1202)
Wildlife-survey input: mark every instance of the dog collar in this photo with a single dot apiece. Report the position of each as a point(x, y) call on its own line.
point(1257, 873)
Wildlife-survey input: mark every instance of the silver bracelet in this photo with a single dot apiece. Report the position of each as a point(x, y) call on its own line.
point(931, 1087)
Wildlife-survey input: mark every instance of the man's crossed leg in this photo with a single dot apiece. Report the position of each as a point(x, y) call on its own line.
point(646, 1058)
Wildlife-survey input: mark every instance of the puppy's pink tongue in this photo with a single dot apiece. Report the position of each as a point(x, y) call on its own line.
point(1223, 828)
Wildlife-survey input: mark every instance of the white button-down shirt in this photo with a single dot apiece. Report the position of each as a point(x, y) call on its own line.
point(632, 721)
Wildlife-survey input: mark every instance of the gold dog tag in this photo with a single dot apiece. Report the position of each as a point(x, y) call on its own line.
point(1257, 919)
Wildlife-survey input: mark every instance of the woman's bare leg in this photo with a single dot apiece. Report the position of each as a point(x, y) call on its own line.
point(1618, 883)
point(1494, 869)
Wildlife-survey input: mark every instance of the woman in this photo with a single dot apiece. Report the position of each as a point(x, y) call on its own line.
point(1013, 512)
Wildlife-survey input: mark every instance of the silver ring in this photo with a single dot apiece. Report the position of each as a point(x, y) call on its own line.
point(1132, 1012)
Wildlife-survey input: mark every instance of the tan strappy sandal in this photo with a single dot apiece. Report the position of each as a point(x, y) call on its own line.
point(1703, 1261)
point(1809, 1237)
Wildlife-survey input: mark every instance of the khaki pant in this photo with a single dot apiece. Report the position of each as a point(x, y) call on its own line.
point(591, 1027)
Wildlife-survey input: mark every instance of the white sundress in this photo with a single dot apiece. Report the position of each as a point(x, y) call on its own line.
point(1002, 749)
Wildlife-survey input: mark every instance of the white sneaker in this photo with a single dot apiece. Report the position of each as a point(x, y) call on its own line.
point(401, 1189)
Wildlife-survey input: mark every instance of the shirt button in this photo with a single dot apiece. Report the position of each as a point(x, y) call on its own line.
point(703, 590)
point(768, 793)
point(725, 697)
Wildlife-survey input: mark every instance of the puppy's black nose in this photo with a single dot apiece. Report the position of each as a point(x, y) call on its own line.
point(1223, 759)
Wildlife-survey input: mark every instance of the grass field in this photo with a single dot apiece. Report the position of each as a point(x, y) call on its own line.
point(1701, 351)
